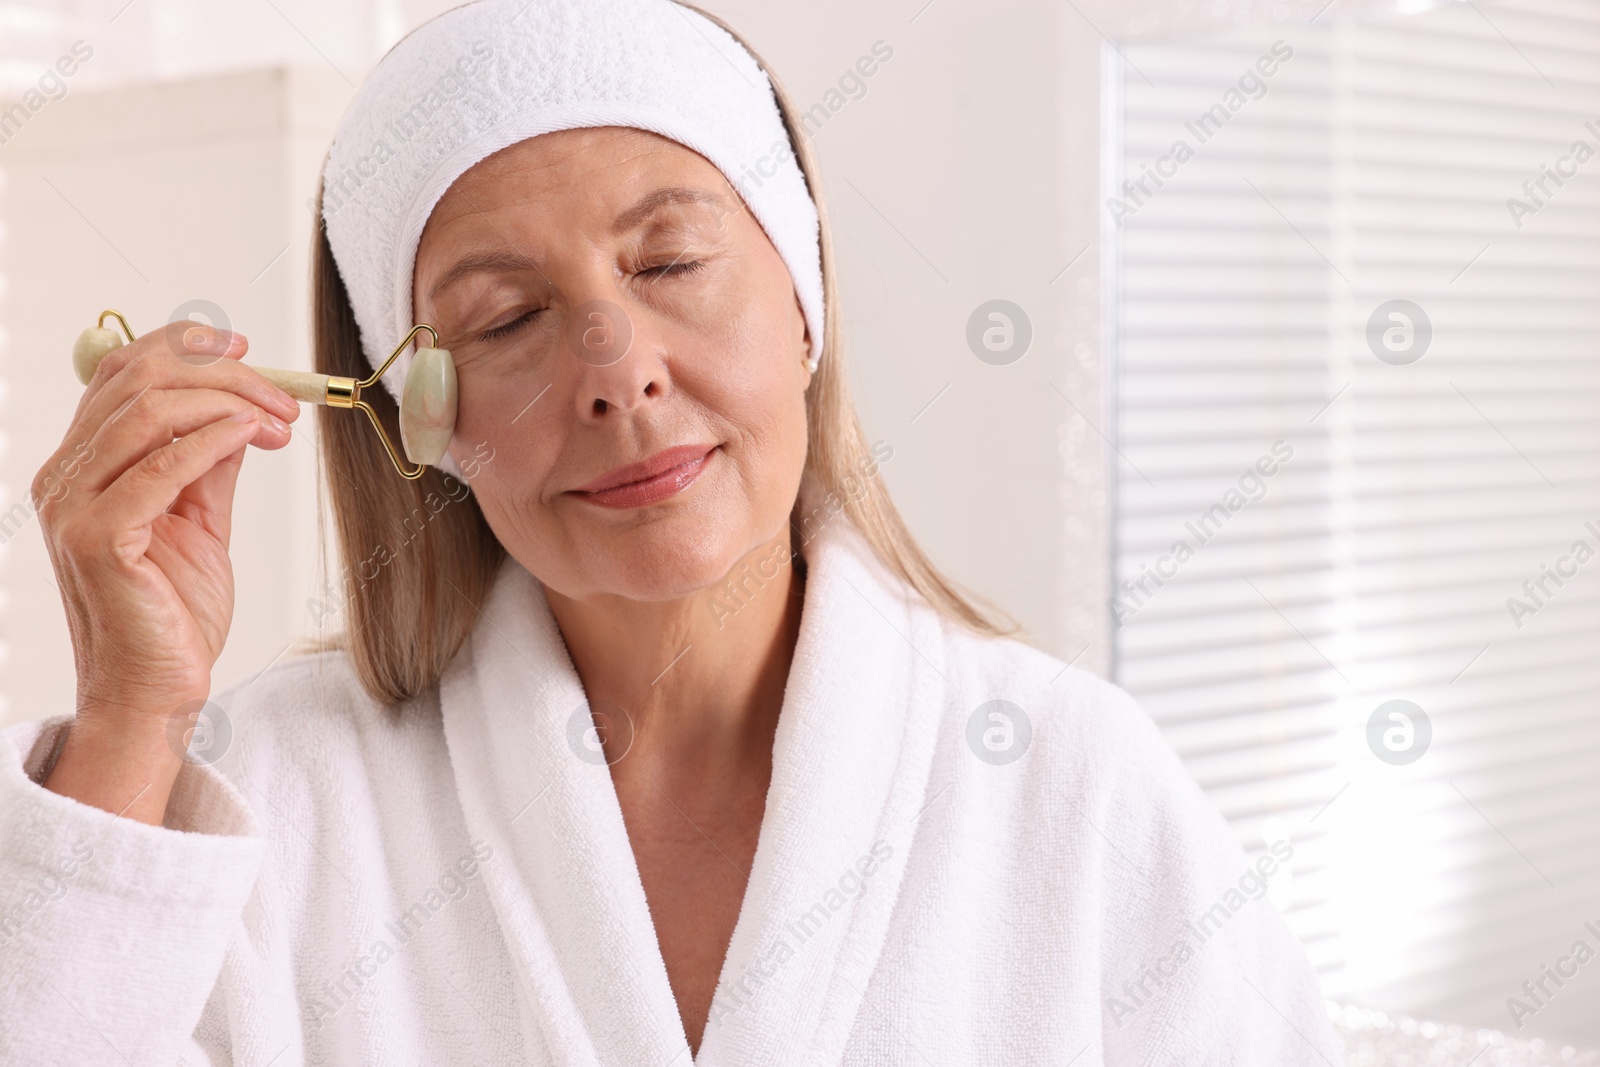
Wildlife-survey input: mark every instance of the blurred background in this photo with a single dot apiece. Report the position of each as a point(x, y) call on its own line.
point(1248, 353)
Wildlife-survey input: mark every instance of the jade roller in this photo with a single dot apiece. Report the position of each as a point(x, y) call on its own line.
point(427, 403)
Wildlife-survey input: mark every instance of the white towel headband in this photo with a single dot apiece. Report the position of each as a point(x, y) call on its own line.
point(491, 73)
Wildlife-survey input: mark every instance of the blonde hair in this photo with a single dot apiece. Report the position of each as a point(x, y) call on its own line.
point(407, 619)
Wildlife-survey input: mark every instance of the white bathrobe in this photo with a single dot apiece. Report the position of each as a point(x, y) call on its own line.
point(450, 883)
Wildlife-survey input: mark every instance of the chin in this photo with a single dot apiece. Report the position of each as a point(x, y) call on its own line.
point(674, 557)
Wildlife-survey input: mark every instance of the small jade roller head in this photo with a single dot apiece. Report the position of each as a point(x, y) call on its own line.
point(94, 344)
point(428, 406)
point(427, 402)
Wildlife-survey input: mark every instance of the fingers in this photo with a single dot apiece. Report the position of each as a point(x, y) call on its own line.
point(152, 417)
point(151, 486)
point(199, 356)
point(181, 355)
point(174, 338)
point(208, 500)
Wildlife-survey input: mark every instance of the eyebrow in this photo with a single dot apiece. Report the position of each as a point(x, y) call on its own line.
point(650, 203)
point(501, 261)
point(507, 261)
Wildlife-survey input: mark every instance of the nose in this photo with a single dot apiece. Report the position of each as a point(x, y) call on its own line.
point(619, 363)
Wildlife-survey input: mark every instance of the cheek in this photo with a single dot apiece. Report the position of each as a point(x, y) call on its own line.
point(501, 417)
point(747, 336)
point(759, 396)
point(749, 377)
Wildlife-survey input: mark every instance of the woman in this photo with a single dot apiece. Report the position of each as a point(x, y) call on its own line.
point(664, 742)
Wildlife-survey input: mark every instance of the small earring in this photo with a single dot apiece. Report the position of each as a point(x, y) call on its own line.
point(811, 364)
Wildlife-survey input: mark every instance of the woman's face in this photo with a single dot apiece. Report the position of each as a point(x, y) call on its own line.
point(610, 303)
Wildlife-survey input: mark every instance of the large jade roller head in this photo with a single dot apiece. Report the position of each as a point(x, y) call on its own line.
point(427, 403)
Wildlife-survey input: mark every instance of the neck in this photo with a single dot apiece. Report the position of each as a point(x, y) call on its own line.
point(701, 678)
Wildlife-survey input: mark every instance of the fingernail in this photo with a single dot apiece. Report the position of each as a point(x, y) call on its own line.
point(276, 423)
point(206, 339)
point(243, 415)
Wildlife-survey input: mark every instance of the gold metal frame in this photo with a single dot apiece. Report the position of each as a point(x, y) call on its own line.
point(346, 393)
point(126, 329)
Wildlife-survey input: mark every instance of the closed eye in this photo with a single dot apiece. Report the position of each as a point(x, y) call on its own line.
point(665, 270)
point(509, 328)
point(674, 267)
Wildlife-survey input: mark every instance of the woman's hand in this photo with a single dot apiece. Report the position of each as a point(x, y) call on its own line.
point(136, 509)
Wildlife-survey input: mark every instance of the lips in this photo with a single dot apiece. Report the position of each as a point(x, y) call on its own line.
point(650, 481)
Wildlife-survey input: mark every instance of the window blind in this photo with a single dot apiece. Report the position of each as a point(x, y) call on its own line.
point(1362, 501)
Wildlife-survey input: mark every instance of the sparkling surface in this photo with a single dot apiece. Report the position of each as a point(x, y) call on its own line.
point(1377, 1039)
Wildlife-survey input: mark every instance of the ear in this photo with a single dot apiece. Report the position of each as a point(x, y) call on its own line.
point(810, 347)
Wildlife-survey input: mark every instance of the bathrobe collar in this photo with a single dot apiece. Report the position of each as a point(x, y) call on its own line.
point(851, 760)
